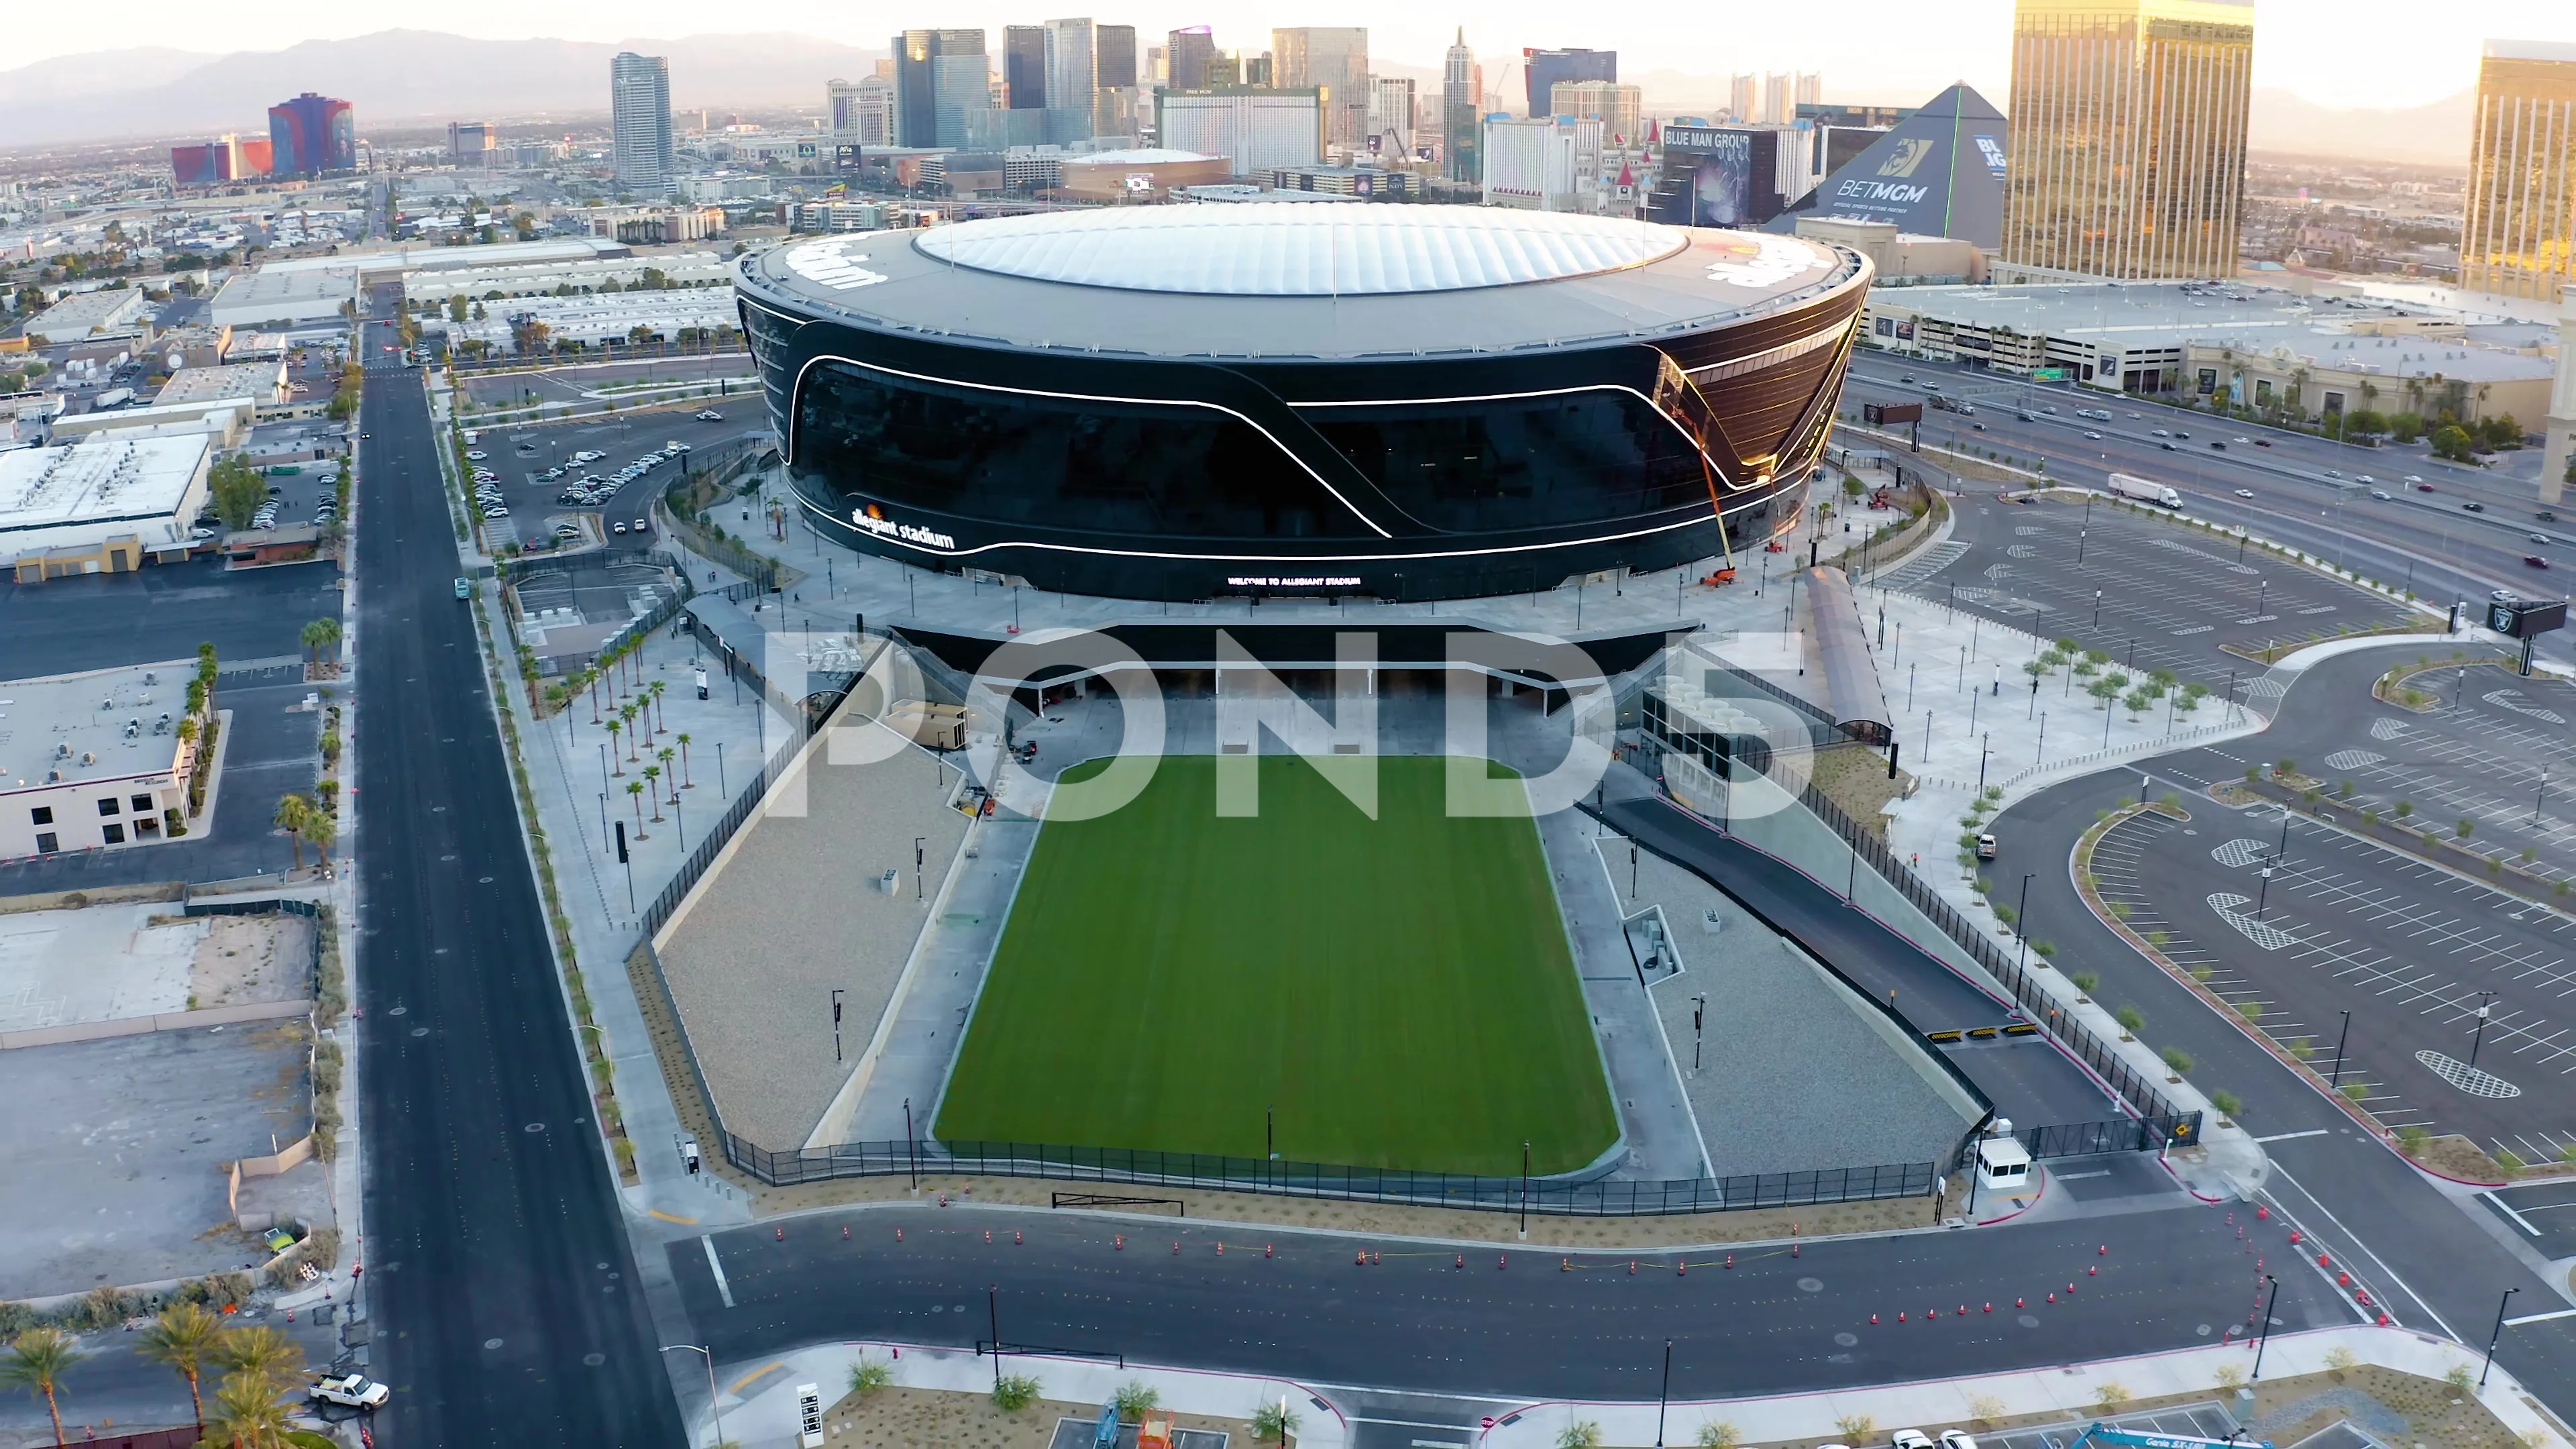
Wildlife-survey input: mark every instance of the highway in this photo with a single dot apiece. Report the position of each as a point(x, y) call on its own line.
point(497, 1269)
point(2447, 550)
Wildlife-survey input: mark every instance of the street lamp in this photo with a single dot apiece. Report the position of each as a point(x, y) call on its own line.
point(2021, 920)
point(2486, 1001)
point(712, 1407)
point(2263, 1330)
point(1525, 1166)
point(2496, 1337)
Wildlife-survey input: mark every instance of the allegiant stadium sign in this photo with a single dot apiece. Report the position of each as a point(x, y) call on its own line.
point(902, 532)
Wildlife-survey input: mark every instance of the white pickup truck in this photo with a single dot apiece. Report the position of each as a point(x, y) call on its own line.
point(351, 1391)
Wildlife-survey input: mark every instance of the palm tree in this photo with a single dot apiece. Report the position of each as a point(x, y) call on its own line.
point(590, 681)
point(685, 782)
point(655, 690)
point(322, 827)
point(263, 1353)
point(294, 813)
point(664, 755)
point(653, 773)
point(250, 1412)
point(37, 1361)
point(615, 758)
point(626, 712)
point(185, 1337)
point(635, 793)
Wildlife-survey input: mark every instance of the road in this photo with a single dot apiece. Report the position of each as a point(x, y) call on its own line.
point(2447, 551)
point(1532, 1323)
point(498, 1270)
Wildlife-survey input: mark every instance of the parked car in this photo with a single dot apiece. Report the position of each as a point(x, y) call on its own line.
point(464, 588)
point(475, 455)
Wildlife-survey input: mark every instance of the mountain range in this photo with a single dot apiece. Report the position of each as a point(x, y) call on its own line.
point(419, 76)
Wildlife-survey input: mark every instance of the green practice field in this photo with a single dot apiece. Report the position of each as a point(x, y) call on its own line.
point(1399, 989)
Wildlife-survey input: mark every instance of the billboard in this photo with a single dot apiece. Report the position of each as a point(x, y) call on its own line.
point(1890, 414)
point(1729, 182)
point(2526, 618)
point(1937, 172)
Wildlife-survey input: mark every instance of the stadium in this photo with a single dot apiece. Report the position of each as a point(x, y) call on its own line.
point(1404, 402)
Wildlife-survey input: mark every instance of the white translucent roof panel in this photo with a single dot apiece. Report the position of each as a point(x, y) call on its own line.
point(1277, 249)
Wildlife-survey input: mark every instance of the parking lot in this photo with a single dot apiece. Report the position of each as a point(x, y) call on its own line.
point(2496, 751)
point(519, 458)
point(2150, 593)
point(2413, 952)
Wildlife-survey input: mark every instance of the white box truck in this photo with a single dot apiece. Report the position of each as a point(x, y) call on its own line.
point(2129, 485)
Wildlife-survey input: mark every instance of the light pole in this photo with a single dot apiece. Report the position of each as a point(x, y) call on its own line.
point(2337, 1079)
point(2263, 1330)
point(2496, 1337)
point(1525, 1166)
point(1699, 1013)
point(1664, 1396)
point(2021, 921)
point(993, 1316)
point(712, 1407)
point(2486, 1001)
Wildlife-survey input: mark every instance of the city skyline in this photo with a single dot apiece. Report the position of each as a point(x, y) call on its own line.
point(1879, 49)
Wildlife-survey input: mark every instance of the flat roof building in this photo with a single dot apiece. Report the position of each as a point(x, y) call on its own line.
point(95, 761)
point(275, 296)
point(105, 504)
point(262, 382)
point(226, 420)
point(1141, 174)
point(111, 312)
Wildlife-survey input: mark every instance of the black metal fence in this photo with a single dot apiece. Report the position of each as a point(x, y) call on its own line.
point(1604, 1198)
point(2038, 1005)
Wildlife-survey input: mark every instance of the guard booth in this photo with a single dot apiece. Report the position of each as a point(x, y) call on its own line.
point(2003, 1165)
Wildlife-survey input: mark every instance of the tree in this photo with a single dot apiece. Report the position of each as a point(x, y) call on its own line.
point(654, 693)
point(36, 1362)
point(653, 774)
point(237, 490)
point(264, 1352)
point(664, 754)
point(635, 793)
point(294, 813)
point(250, 1412)
point(184, 1338)
point(322, 827)
point(685, 782)
point(2451, 443)
point(319, 635)
point(615, 758)
point(456, 307)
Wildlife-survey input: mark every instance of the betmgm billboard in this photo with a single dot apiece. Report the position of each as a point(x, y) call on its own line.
point(1721, 167)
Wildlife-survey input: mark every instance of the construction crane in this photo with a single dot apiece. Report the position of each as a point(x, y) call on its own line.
point(2111, 1438)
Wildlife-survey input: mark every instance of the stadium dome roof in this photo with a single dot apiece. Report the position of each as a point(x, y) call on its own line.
point(1280, 250)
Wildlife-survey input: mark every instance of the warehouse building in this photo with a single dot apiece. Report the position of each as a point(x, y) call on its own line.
point(112, 312)
point(96, 761)
point(262, 382)
point(105, 504)
point(273, 297)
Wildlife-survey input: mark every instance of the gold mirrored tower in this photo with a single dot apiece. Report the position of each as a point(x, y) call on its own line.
point(2518, 231)
point(2128, 136)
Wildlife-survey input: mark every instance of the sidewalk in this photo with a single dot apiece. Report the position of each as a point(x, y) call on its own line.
point(2071, 1393)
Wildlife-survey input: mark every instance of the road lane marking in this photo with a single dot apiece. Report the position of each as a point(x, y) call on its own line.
point(2539, 1317)
point(723, 1288)
point(670, 1218)
point(2289, 1136)
point(2507, 1209)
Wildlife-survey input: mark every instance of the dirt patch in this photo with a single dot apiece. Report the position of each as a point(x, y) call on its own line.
point(901, 1418)
point(252, 958)
point(1855, 778)
point(1554, 1234)
point(2457, 1156)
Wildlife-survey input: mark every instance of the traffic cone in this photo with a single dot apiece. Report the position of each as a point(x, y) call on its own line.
point(1360, 1259)
point(1565, 1265)
point(782, 1232)
point(1121, 1244)
point(2343, 1280)
point(1730, 1260)
point(1268, 1251)
point(2262, 1214)
point(1990, 1308)
point(1220, 1248)
point(2105, 1251)
point(2383, 1319)
point(1376, 1259)
point(988, 1236)
point(2296, 1237)
point(845, 1232)
point(1873, 1318)
point(1462, 1260)
point(1016, 1239)
point(2092, 1272)
point(1502, 1260)
point(2070, 1290)
point(2323, 1261)
point(898, 1235)
point(1176, 1247)
point(2052, 1297)
point(1632, 1267)
point(1900, 1318)
point(2018, 1303)
point(1681, 1267)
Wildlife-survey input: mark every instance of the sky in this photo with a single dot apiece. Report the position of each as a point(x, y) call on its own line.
point(2342, 53)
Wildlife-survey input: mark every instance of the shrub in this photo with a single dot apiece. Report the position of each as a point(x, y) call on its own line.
point(2412, 1139)
point(2253, 774)
point(1134, 1400)
point(2250, 1009)
point(2509, 1160)
point(2177, 1061)
point(869, 1375)
point(2044, 949)
point(2227, 1103)
point(2230, 1376)
point(1856, 1426)
point(2465, 827)
point(2287, 766)
point(2203, 973)
point(2355, 1091)
point(1014, 1392)
point(2344, 790)
point(1582, 1434)
point(2085, 981)
point(2340, 1358)
point(2131, 1019)
point(2405, 808)
point(2111, 1396)
point(1716, 1436)
point(2459, 1378)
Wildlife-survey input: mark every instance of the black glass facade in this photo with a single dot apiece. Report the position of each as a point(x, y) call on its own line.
point(1184, 479)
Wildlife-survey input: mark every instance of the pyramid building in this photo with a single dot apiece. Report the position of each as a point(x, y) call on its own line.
point(1939, 172)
